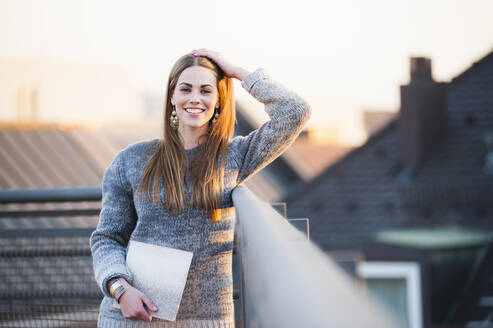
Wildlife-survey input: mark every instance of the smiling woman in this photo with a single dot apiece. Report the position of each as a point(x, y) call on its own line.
point(200, 109)
point(194, 169)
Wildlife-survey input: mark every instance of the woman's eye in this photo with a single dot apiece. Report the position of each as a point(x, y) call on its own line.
point(185, 89)
point(206, 91)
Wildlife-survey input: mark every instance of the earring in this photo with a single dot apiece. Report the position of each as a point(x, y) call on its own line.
point(173, 119)
point(216, 115)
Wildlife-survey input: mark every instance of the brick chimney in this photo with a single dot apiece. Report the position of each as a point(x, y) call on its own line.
point(422, 121)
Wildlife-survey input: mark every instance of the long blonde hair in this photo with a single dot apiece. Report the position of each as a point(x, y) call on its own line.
point(167, 162)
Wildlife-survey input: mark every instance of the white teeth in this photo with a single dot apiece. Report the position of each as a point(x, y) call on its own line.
point(193, 110)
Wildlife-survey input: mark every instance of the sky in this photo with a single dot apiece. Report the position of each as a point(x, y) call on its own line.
point(342, 56)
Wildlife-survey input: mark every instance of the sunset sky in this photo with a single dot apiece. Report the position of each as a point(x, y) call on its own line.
point(342, 56)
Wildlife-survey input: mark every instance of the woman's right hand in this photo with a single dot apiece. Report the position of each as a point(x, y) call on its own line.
point(229, 69)
point(132, 303)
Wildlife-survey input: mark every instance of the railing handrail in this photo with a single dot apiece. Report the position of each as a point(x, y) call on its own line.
point(289, 281)
point(42, 195)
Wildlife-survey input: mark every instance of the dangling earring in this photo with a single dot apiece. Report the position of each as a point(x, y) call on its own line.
point(173, 119)
point(216, 115)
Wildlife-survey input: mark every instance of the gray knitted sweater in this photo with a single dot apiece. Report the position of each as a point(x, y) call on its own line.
point(207, 300)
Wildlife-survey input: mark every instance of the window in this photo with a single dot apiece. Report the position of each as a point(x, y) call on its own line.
point(398, 285)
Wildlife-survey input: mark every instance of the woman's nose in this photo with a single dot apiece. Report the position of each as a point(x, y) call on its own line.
point(194, 98)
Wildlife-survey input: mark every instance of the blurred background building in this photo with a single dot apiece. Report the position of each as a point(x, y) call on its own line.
point(41, 91)
point(416, 200)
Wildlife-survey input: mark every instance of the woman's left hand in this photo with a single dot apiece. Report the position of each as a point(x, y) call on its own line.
point(229, 69)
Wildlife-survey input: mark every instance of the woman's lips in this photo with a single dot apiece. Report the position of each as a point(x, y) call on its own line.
point(194, 110)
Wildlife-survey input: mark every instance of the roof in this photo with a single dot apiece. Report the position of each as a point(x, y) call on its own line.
point(368, 191)
point(46, 157)
point(317, 157)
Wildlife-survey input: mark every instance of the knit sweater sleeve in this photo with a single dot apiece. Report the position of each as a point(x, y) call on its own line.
point(117, 220)
point(287, 112)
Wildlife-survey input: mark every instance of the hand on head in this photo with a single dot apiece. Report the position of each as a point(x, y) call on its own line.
point(228, 68)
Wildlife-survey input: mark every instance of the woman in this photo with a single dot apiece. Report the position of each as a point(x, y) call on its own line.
point(197, 165)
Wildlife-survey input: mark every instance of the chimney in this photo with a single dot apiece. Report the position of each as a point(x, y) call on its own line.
point(422, 121)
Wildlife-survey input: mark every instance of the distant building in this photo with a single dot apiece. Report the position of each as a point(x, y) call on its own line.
point(374, 120)
point(316, 156)
point(417, 201)
point(36, 91)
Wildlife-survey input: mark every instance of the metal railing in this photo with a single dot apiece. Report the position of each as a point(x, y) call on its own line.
point(46, 275)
